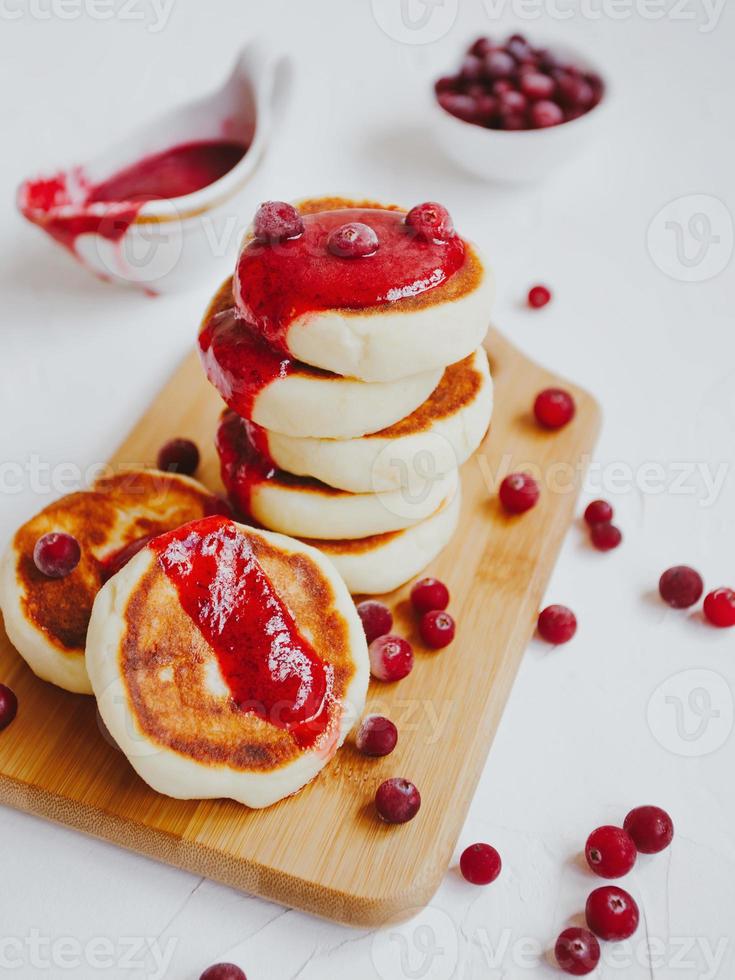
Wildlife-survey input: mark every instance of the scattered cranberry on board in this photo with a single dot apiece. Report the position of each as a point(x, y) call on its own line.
point(428, 594)
point(223, 971)
point(681, 586)
point(610, 852)
point(518, 493)
point(437, 629)
point(377, 619)
point(391, 658)
point(577, 951)
point(376, 736)
point(56, 554)
point(538, 297)
point(554, 408)
point(179, 456)
point(612, 913)
point(598, 512)
point(515, 86)
point(557, 624)
point(397, 800)
point(8, 706)
point(650, 827)
point(605, 536)
point(480, 864)
point(719, 607)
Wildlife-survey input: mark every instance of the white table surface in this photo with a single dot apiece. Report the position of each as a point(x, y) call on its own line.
point(589, 730)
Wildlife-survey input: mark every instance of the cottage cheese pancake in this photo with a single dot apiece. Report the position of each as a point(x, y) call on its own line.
point(227, 662)
point(45, 618)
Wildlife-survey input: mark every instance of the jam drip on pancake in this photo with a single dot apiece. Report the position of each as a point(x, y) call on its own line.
point(242, 448)
point(238, 361)
point(269, 667)
point(277, 282)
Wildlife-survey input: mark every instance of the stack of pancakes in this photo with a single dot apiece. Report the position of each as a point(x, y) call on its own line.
point(353, 442)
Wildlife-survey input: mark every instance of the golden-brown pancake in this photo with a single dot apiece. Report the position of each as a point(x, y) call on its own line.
point(227, 661)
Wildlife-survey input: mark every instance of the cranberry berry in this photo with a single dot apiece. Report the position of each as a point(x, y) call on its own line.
point(377, 619)
point(437, 629)
point(391, 658)
point(557, 624)
point(719, 607)
point(545, 113)
point(276, 221)
point(554, 408)
point(223, 971)
point(538, 296)
point(650, 827)
point(577, 951)
point(598, 512)
point(376, 736)
point(612, 913)
point(605, 536)
point(428, 594)
point(56, 554)
point(681, 586)
point(610, 852)
point(518, 493)
point(397, 801)
point(431, 222)
point(480, 864)
point(354, 240)
point(179, 456)
point(8, 706)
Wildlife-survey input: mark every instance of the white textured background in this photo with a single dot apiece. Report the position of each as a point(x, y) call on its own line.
point(577, 746)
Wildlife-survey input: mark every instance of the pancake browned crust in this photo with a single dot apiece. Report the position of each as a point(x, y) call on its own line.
point(164, 663)
point(117, 510)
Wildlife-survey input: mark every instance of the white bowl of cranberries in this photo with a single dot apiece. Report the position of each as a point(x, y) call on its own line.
point(515, 111)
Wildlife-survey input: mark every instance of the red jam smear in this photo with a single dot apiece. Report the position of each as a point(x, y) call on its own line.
point(238, 361)
point(277, 283)
point(63, 205)
point(269, 667)
point(242, 448)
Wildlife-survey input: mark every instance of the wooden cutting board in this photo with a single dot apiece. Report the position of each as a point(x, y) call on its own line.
point(324, 850)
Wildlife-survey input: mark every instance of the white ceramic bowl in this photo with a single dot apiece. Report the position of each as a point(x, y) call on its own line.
point(520, 156)
point(172, 244)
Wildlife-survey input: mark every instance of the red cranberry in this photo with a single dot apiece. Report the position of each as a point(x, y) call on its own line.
point(605, 536)
point(482, 46)
point(377, 619)
point(437, 629)
point(397, 800)
point(518, 492)
point(538, 296)
point(376, 736)
point(512, 102)
point(518, 46)
point(651, 828)
point(574, 92)
point(428, 594)
point(276, 221)
point(681, 586)
point(545, 113)
point(513, 121)
point(554, 408)
point(577, 951)
point(480, 864)
point(557, 624)
point(431, 222)
point(179, 456)
point(598, 512)
point(8, 706)
point(223, 971)
point(354, 240)
point(719, 607)
point(391, 658)
point(56, 554)
point(472, 68)
point(501, 86)
point(612, 913)
point(447, 83)
point(499, 64)
point(486, 108)
point(536, 86)
point(459, 105)
point(610, 852)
